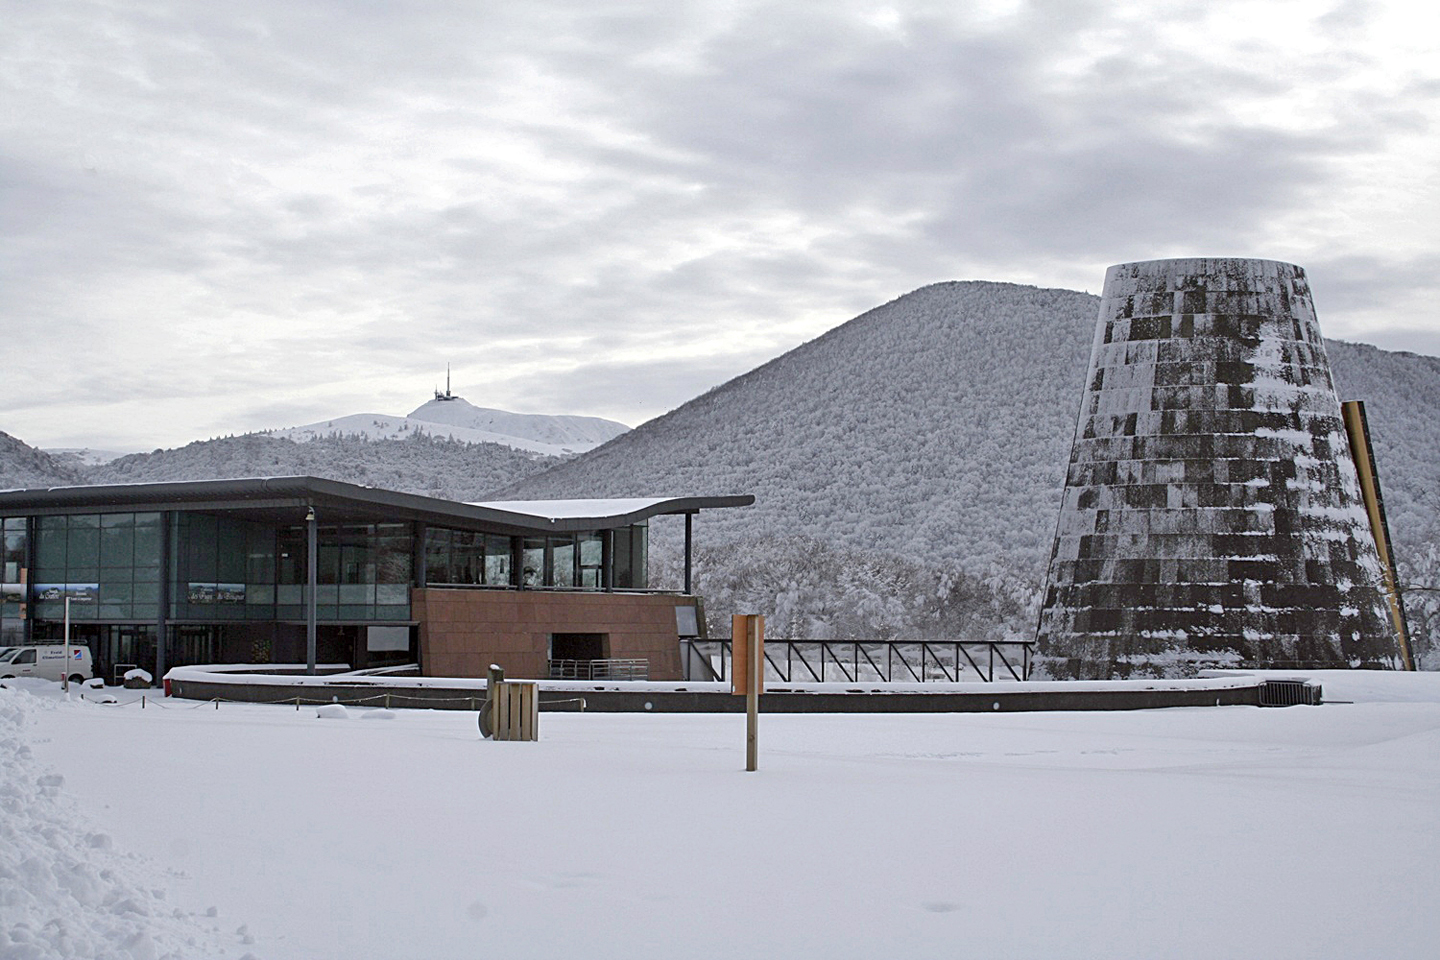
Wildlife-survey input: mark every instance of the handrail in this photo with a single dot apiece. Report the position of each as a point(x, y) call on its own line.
point(533, 588)
point(610, 669)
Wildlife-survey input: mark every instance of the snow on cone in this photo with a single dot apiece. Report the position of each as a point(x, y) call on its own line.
point(1211, 511)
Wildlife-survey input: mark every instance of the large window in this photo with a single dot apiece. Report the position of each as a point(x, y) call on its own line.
point(222, 569)
point(107, 564)
point(590, 557)
point(362, 572)
point(14, 576)
point(466, 557)
point(533, 572)
point(568, 561)
point(632, 549)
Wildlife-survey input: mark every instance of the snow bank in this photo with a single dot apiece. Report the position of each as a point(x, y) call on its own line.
point(1356, 686)
point(66, 891)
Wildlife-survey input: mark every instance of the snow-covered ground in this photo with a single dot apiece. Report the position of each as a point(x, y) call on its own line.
point(1209, 832)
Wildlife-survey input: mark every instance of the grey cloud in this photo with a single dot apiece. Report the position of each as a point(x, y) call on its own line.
point(1349, 15)
point(733, 177)
point(1363, 282)
point(631, 392)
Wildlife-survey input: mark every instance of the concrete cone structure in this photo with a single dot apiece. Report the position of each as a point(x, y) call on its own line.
point(1211, 512)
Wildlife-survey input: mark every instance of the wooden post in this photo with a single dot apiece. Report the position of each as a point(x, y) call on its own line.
point(1357, 430)
point(747, 669)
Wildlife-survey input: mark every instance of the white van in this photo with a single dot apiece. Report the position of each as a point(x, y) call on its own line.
point(48, 662)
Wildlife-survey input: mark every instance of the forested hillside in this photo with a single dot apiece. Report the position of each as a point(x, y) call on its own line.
point(24, 466)
point(924, 444)
point(934, 427)
point(419, 464)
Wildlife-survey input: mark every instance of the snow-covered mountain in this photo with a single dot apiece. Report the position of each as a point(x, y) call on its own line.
point(451, 417)
point(564, 431)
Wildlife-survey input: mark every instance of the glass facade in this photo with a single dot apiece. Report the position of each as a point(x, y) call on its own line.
point(465, 557)
point(14, 575)
point(234, 590)
point(107, 564)
point(210, 569)
point(362, 572)
point(224, 568)
point(221, 569)
point(567, 561)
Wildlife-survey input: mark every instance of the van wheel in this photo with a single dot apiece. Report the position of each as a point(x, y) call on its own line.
point(8, 676)
point(76, 678)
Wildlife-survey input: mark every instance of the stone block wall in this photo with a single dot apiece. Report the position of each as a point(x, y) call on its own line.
point(462, 632)
point(1211, 508)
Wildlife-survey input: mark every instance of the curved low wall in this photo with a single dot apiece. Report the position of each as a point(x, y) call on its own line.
point(440, 694)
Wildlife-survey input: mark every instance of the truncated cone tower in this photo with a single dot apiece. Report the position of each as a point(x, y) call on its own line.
point(1211, 510)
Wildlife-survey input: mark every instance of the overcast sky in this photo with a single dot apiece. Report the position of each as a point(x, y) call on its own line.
point(225, 217)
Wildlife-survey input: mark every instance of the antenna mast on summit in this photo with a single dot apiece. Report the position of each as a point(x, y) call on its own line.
point(447, 395)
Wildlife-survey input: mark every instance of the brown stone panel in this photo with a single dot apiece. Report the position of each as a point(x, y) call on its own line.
point(463, 631)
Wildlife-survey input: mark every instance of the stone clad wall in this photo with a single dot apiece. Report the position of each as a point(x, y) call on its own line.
point(463, 631)
point(1211, 509)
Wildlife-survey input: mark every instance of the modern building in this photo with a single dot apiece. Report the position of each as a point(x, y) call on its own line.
point(220, 571)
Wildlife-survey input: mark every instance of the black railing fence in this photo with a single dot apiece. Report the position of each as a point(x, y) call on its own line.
point(636, 669)
point(861, 661)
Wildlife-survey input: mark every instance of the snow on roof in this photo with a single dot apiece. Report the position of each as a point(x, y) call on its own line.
point(574, 509)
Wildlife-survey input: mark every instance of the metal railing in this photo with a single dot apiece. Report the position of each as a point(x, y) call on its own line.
point(600, 669)
point(540, 588)
point(861, 661)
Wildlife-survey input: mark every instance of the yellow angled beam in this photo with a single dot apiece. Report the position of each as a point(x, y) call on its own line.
point(1358, 431)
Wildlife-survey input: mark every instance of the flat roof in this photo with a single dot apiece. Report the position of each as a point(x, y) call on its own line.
point(286, 499)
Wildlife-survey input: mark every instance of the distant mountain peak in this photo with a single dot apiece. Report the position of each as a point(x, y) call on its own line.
point(451, 416)
point(574, 434)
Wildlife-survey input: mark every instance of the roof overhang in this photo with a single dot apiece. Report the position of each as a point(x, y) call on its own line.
point(286, 499)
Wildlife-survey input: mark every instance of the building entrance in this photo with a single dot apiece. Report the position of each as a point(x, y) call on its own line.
point(120, 647)
point(577, 646)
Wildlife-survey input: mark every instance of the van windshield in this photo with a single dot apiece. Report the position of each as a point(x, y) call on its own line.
point(9, 654)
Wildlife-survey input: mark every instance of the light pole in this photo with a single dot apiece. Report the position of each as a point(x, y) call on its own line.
point(65, 671)
point(310, 567)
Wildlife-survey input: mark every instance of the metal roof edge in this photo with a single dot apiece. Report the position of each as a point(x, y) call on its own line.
point(319, 489)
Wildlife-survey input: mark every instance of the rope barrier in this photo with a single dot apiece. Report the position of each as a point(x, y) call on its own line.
point(143, 700)
point(380, 699)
